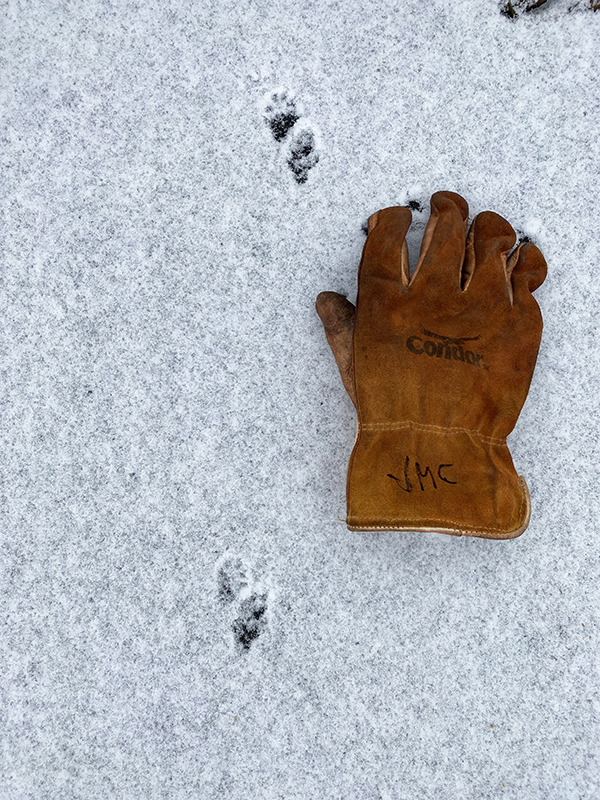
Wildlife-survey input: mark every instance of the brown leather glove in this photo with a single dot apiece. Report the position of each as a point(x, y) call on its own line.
point(438, 367)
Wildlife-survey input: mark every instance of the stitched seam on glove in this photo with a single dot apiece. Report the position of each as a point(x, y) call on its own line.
point(455, 531)
point(394, 426)
point(448, 522)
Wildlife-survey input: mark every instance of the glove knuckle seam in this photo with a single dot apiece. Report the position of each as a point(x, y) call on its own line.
point(437, 429)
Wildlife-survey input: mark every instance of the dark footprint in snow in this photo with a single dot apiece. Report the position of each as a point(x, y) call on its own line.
point(234, 586)
point(522, 237)
point(554, 8)
point(251, 621)
point(232, 579)
point(512, 8)
point(281, 114)
point(303, 154)
point(284, 116)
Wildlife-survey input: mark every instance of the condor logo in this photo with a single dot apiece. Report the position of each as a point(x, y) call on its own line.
point(444, 346)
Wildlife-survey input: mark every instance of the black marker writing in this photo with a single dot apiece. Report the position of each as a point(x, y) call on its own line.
point(406, 484)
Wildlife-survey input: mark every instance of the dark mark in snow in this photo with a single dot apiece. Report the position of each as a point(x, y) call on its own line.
point(281, 115)
point(251, 621)
point(231, 579)
point(303, 155)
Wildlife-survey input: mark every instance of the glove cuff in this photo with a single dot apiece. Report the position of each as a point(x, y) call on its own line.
point(411, 476)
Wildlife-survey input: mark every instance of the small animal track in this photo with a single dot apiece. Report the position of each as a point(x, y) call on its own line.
point(284, 116)
point(281, 114)
point(231, 579)
point(522, 237)
point(251, 621)
point(303, 154)
point(514, 8)
point(235, 586)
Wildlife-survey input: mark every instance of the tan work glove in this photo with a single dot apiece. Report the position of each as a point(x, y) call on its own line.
point(438, 367)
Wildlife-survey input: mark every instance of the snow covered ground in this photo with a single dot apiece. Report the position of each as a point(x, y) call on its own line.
point(183, 614)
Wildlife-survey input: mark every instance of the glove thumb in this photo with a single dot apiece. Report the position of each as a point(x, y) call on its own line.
point(337, 315)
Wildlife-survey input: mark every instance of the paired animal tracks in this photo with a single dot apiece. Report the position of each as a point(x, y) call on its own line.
point(515, 8)
point(248, 600)
point(299, 139)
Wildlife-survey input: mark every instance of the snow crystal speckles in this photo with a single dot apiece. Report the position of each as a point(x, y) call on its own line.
point(532, 227)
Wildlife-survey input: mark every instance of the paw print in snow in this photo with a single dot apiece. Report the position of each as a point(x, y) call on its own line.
point(522, 237)
point(235, 586)
point(284, 116)
point(232, 579)
point(553, 8)
point(512, 8)
point(303, 153)
point(281, 114)
point(251, 621)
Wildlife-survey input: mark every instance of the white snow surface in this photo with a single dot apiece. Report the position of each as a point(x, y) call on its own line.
point(183, 612)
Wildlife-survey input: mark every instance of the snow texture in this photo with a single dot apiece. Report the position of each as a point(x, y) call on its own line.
point(183, 612)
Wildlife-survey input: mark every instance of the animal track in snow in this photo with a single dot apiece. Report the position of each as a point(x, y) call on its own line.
point(512, 7)
point(235, 586)
point(284, 116)
point(303, 154)
point(281, 113)
point(553, 8)
point(231, 579)
point(522, 237)
point(251, 621)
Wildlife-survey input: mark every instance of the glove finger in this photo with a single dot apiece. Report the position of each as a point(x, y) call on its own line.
point(443, 246)
point(337, 315)
point(527, 270)
point(384, 269)
point(385, 254)
point(489, 241)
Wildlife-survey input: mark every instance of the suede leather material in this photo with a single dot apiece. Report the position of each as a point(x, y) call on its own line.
point(441, 365)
